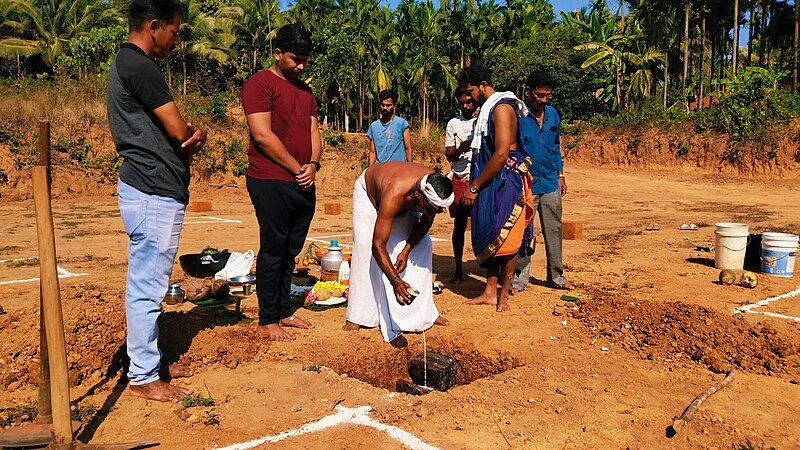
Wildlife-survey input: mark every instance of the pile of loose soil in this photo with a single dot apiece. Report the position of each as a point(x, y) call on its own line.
point(675, 330)
point(95, 332)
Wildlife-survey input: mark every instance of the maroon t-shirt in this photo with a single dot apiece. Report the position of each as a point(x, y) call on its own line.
point(292, 105)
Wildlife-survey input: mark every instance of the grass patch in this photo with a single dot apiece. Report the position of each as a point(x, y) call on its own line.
point(196, 400)
point(17, 415)
point(211, 418)
point(77, 233)
point(23, 263)
point(82, 413)
point(312, 368)
point(9, 248)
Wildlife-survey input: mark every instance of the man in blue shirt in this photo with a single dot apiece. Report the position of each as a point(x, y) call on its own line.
point(549, 182)
point(389, 137)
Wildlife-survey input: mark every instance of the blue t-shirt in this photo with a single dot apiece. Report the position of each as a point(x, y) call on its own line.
point(388, 139)
point(544, 147)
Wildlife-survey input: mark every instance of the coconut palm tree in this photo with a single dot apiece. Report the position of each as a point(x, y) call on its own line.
point(11, 30)
point(55, 22)
point(623, 66)
point(204, 36)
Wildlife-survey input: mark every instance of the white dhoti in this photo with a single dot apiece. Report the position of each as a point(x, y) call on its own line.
point(371, 299)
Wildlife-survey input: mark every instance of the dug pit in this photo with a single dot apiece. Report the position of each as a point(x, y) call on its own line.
point(381, 365)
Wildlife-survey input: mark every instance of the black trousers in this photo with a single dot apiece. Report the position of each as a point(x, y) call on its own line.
point(284, 214)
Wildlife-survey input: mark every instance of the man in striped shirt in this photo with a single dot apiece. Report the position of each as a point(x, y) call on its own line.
point(458, 136)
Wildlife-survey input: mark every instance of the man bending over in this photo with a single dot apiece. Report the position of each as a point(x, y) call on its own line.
point(394, 204)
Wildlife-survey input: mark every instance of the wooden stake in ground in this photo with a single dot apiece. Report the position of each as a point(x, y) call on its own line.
point(693, 407)
point(51, 307)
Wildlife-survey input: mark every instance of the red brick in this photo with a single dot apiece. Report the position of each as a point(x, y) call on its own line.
point(571, 231)
point(201, 206)
point(333, 209)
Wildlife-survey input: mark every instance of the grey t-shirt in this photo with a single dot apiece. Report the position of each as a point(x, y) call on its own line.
point(151, 162)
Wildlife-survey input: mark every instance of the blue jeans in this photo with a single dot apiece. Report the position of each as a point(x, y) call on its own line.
point(153, 224)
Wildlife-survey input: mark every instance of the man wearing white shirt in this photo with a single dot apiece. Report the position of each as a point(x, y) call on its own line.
point(458, 136)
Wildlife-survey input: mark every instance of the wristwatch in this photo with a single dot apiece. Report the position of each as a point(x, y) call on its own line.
point(473, 189)
point(316, 164)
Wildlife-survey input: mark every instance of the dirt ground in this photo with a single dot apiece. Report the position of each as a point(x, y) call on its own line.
point(653, 329)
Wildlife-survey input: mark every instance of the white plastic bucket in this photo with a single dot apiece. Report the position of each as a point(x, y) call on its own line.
point(778, 253)
point(728, 227)
point(730, 248)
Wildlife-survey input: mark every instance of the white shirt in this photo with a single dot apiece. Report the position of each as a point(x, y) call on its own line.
point(459, 130)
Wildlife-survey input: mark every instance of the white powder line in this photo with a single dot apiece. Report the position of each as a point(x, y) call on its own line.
point(766, 301)
point(772, 314)
point(343, 415)
point(62, 273)
point(18, 259)
point(211, 219)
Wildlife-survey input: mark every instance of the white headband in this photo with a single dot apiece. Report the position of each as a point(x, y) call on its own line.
point(432, 196)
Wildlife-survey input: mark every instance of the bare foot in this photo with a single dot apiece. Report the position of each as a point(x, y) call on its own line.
point(441, 321)
point(296, 322)
point(275, 332)
point(503, 305)
point(482, 300)
point(567, 286)
point(350, 326)
point(175, 371)
point(514, 291)
point(458, 278)
point(399, 342)
point(160, 391)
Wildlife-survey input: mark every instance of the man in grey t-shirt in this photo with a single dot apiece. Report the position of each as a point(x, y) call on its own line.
point(156, 145)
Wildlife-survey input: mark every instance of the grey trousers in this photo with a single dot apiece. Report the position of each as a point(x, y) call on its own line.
point(548, 208)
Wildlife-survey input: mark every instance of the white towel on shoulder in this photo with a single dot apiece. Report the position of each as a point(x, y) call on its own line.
point(482, 123)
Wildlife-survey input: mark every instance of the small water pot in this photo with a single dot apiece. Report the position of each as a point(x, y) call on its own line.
point(413, 292)
point(174, 294)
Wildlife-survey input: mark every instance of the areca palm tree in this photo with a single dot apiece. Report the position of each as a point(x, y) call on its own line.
point(428, 60)
point(254, 24)
point(204, 36)
point(358, 16)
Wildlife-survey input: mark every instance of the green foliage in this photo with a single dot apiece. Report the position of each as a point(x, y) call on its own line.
point(78, 150)
point(82, 412)
point(650, 113)
point(189, 401)
point(16, 415)
point(3, 177)
point(332, 139)
point(93, 52)
point(312, 368)
point(219, 105)
point(235, 153)
point(211, 418)
point(749, 105)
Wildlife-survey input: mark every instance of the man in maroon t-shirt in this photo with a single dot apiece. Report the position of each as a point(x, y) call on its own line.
point(284, 156)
